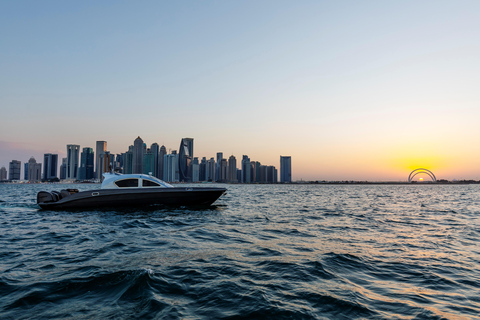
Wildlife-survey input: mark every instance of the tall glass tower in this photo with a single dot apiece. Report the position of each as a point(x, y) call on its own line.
point(73, 153)
point(137, 161)
point(185, 159)
point(14, 168)
point(285, 169)
point(232, 169)
point(86, 164)
point(154, 149)
point(161, 157)
point(50, 166)
point(246, 170)
point(100, 149)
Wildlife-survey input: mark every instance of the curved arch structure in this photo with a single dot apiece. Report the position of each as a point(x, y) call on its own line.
point(419, 171)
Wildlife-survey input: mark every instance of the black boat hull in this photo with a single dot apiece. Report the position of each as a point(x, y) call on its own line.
point(135, 197)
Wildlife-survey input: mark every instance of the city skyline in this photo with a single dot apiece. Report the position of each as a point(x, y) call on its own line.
point(139, 158)
point(351, 90)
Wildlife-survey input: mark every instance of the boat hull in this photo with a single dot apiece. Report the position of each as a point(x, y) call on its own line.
point(136, 197)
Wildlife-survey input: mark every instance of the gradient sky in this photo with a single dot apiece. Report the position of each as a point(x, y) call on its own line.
point(356, 90)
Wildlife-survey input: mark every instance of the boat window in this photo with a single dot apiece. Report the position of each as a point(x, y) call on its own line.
point(127, 183)
point(148, 183)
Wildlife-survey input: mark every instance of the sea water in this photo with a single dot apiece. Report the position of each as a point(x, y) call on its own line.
point(260, 252)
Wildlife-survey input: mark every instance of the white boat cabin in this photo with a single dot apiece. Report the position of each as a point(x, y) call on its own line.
point(122, 181)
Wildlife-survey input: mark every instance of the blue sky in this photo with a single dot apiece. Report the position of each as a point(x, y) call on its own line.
point(351, 90)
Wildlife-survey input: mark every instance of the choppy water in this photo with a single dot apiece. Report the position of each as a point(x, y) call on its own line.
point(264, 251)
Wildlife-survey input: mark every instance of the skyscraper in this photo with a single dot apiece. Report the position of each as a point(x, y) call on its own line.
point(100, 149)
point(285, 169)
point(86, 164)
point(202, 174)
point(232, 169)
point(218, 176)
point(254, 171)
point(271, 174)
point(34, 170)
point(223, 170)
point(161, 156)
point(185, 156)
point(195, 170)
point(154, 149)
point(3, 174)
point(14, 168)
point(119, 163)
point(73, 155)
point(25, 171)
point(50, 166)
point(138, 152)
point(63, 169)
point(170, 167)
point(149, 162)
point(211, 169)
point(128, 161)
point(246, 170)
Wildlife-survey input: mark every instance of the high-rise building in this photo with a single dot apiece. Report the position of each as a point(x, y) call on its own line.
point(3, 174)
point(223, 170)
point(34, 170)
point(232, 169)
point(154, 150)
point(50, 166)
point(285, 169)
point(128, 161)
point(119, 163)
point(246, 170)
point(106, 163)
point(271, 174)
point(73, 156)
point(218, 175)
point(185, 156)
point(195, 170)
point(262, 174)
point(149, 162)
point(202, 174)
point(25, 171)
point(63, 169)
point(14, 168)
point(254, 171)
point(87, 158)
point(100, 149)
point(138, 152)
point(211, 169)
point(170, 167)
point(239, 175)
point(161, 156)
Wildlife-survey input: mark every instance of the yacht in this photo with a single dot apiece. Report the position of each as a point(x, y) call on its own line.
point(127, 190)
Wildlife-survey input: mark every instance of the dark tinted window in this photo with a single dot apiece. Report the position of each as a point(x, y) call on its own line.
point(148, 183)
point(127, 183)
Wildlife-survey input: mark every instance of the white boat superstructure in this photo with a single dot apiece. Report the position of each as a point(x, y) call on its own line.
point(117, 181)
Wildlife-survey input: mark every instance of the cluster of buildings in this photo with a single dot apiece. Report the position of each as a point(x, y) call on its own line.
point(176, 166)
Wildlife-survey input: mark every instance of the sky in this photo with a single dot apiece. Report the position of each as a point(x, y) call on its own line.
point(351, 90)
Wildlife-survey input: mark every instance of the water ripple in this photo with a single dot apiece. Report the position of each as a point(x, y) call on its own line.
point(262, 252)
